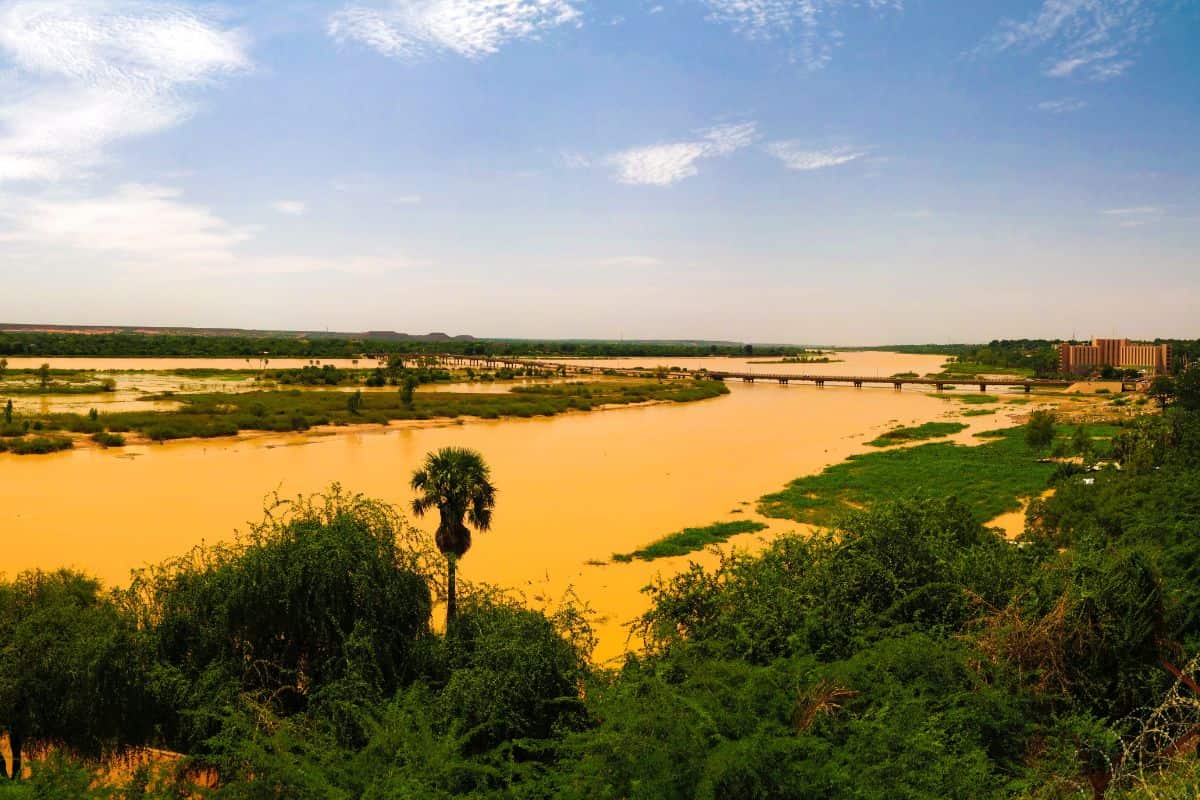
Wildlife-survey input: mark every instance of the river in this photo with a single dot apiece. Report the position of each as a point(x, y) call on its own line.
point(573, 489)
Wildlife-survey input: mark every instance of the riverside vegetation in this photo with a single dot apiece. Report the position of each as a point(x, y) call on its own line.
point(905, 652)
point(207, 415)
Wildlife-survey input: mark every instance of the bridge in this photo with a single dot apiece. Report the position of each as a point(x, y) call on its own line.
point(784, 378)
point(859, 381)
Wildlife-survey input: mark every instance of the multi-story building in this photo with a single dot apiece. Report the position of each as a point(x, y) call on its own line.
point(1118, 353)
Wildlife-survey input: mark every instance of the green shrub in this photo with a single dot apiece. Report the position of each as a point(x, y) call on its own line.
point(105, 439)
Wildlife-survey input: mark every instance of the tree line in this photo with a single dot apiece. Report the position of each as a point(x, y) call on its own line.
point(41, 344)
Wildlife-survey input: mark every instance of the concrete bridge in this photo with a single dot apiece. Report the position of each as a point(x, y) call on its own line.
point(859, 381)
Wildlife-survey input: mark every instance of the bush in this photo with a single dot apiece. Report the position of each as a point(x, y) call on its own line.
point(38, 445)
point(1039, 431)
point(105, 439)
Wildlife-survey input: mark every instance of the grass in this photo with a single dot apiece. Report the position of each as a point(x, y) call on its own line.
point(969, 399)
point(930, 430)
point(977, 412)
point(688, 540)
point(99, 387)
point(955, 369)
point(207, 415)
point(35, 445)
point(989, 478)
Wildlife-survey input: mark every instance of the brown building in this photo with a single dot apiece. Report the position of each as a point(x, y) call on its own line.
point(1118, 353)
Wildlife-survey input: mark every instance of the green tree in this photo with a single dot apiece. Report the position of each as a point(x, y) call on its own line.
point(1187, 388)
point(457, 482)
point(1162, 389)
point(3, 367)
point(44, 376)
point(1081, 443)
point(354, 402)
point(1039, 431)
point(406, 391)
point(8, 412)
point(68, 666)
point(320, 607)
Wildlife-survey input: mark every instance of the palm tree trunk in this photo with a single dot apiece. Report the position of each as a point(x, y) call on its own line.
point(451, 599)
point(15, 742)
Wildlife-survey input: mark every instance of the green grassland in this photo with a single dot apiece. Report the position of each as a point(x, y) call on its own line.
point(930, 430)
point(208, 415)
point(969, 399)
point(688, 540)
point(955, 369)
point(990, 478)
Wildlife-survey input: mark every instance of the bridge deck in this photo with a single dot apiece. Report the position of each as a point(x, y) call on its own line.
point(779, 377)
point(783, 377)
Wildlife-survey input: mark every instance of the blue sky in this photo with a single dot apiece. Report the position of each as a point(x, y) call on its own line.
point(821, 171)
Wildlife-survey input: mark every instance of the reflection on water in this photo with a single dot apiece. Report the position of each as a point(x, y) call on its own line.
point(573, 488)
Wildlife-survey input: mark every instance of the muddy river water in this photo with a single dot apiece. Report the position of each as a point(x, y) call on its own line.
point(573, 489)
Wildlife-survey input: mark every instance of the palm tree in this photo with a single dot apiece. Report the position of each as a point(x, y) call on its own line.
point(457, 482)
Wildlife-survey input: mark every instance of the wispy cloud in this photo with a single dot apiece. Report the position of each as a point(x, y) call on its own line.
point(1063, 106)
point(810, 27)
point(137, 222)
point(293, 208)
point(667, 163)
point(153, 229)
point(631, 261)
point(87, 74)
point(1133, 216)
point(413, 29)
point(796, 155)
point(1092, 39)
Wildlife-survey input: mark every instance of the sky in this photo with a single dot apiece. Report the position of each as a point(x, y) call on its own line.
point(807, 171)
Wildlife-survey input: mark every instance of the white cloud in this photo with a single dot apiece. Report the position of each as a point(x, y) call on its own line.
point(631, 261)
point(1134, 216)
point(796, 156)
point(85, 75)
point(294, 208)
point(151, 229)
point(809, 25)
point(412, 29)
point(1063, 106)
point(1133, 211)
point(138, 222)
point(1084, 38)
point(656, 10)
point(664, 164)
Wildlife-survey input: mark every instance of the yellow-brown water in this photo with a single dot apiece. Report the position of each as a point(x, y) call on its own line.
point(573, 488)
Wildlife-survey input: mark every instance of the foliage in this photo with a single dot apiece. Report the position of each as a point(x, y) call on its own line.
point(68, 665)
point(989, 478)
point(457, 482)
point(24, 343)
point(105, 439)
point(1039, 430)
point(929, 430)
point(907, 652)
point(209, 415)
point(35, 445)
point(320, 606)
point(688, 540)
